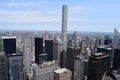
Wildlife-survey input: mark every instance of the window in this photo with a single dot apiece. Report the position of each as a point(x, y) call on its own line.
point(2, 60)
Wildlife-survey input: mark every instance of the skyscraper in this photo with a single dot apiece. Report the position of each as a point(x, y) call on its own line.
point(38, 48)
point(27, 54)
point(98, 64)
point(63, 59)
point(9, 45)
point(64, 26)
point(116, 38)
point(71, 54)
point(15, 66)
point(79, 67)
point(107, 50)
point(49, 49)
point(57, 48)
point(3, 66)
point(107, 40)
point(116, 59)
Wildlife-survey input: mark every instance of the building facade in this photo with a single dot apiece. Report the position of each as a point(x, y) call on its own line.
point(3, 66)
point(98, 64)
point(9, 45)
point(49, 49)
point(15, 66)
point(79, 67)
point(62, 74)
point(38, 48)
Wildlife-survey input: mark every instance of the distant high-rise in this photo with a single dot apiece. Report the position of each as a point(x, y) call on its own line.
point(64, 26)
point(116, 38)
point(62, 74)
point(82, 46)
point(9, 45)
point(107, 40)
point(98, 64)
point(49, 49)
point(3, 66)
point(15, 66)
point(38, 48)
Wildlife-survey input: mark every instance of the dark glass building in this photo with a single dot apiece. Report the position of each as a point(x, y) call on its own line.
point(9, 45)
point(107, 50)
point(107, 40)
point(116, 59)
point(63, 56)
point(71, 54)
point(49, 49)
point(98, 64)
point(38, 49)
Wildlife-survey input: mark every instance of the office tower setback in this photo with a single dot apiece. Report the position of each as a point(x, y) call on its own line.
point(38, 48)
point(15, 66)
point(43, 58)
point(98, 64)
point(9, 45)
point(49, 49)
point(79, 67)
point(62, 74)
point(107, 50)
point(116, 59)
point(3, 66)
point(64, 26)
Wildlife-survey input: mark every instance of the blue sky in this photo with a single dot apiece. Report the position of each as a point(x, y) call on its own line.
point(83, 15)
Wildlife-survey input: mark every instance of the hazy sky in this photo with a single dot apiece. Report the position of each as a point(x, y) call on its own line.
point(83, 15)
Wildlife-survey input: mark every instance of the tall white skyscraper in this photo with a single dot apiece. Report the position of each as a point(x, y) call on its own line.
point(64, 26)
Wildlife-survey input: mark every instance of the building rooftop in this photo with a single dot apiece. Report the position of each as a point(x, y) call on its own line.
point(15, 54)
point(49, 64)
point(63, 70)
point(8, 37)
point(99, 55)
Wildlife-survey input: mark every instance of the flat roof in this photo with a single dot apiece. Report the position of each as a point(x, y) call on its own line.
point(62, 70)
point(8, 37)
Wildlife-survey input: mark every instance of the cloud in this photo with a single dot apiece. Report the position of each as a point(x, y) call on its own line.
point(29, 19)
point(14, 4)
point(113, 20)
point(18, 13)
point(27, 13)
point(79, 9)
point(35, 16)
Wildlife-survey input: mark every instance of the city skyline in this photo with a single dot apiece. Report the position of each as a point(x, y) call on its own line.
point(93, 16)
